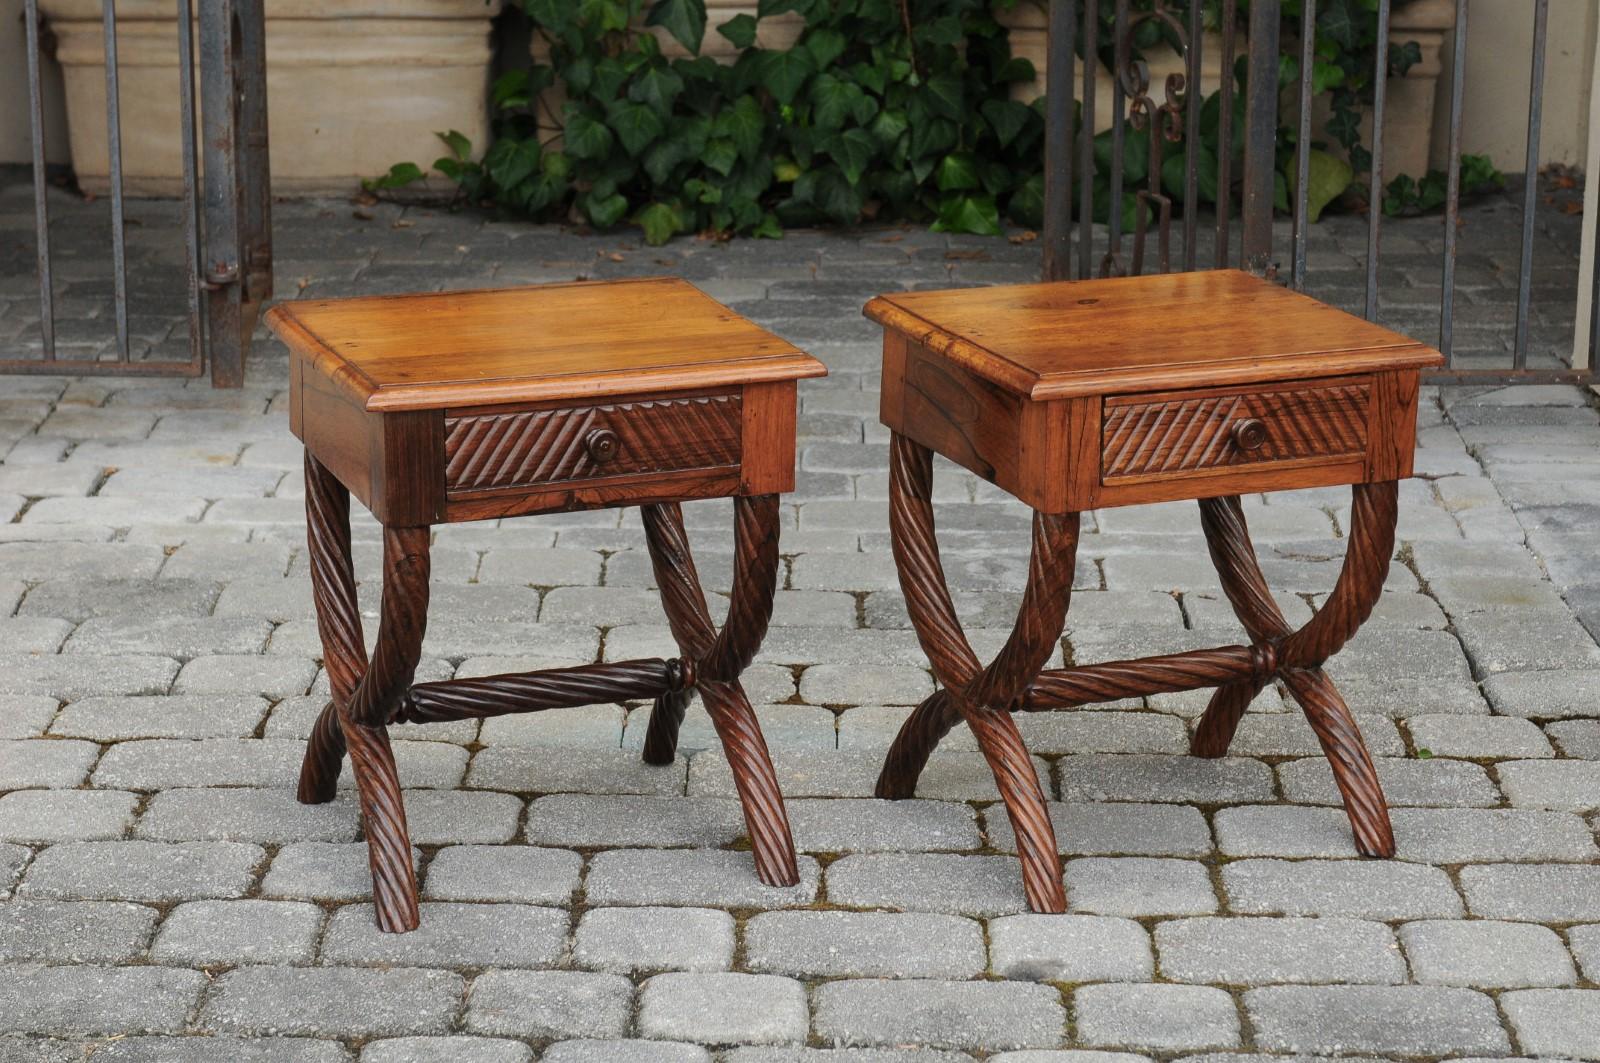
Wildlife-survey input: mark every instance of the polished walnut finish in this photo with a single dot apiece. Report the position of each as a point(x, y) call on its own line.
point(435, 408)
point(1104, 393)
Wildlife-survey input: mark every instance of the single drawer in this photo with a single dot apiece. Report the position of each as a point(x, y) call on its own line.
point(491, 450)
point(1171, 434)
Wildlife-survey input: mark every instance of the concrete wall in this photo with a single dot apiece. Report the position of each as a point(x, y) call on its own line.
point(14, 136)
point(1495, 104)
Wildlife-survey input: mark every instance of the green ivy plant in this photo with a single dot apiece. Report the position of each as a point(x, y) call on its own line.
point(855, 122)
point(883, 110)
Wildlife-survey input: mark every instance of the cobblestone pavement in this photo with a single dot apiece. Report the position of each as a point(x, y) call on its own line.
point(162, 897)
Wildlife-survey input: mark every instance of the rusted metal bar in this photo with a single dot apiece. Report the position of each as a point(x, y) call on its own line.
point(1302, 162)
point(1260, 138)
point(1086, 167)
point(41, 190)
point(1111, 264)
point(119, 240)
point(1230, 36)
point(191, 181)
point(221, 272)
point(1058, 145)
point(1193, 102)
point(1530, 181)
point(1452, 195)
point(1380, 81)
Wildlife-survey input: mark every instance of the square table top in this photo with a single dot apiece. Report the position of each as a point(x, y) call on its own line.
point(540, 342)
point(1130, 334)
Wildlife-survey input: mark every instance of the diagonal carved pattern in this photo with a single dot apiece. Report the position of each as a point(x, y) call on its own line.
point(492, 450)
point(1185, 435)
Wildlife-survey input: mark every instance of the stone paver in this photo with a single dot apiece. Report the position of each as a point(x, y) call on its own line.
point(164, 897)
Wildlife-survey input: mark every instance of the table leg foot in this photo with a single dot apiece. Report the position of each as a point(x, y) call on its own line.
point(1025, 805)
point(319, 771)
point(922, 732)
point(666, 718)
point(720, 658)
point(1347, 755)
point(383, 816)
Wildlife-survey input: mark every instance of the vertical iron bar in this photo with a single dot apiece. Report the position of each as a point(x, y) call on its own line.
point(1091, 63)
point(1452, 196)
point(1380, 82)
point(1261, 134)
point(191, 181)
point(1302, 162)
point(119, 250)
point(219, 117)
point(1193, 100)
point(41, 205)
point(1530, 180)
point(1119, 51)
point(1230, 32)
point(1061, 28)
point(255, 169)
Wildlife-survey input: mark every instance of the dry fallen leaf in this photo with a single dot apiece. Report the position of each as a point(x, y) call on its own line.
point(1027, 236)
point(364, 199)
point(401, 223)
point(362, 214)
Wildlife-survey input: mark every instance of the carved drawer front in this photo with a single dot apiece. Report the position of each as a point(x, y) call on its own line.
point(1156, 436)
point(490, 450)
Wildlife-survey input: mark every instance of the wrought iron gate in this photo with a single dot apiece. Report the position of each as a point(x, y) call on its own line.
point(1070, 251)
point(226, 195)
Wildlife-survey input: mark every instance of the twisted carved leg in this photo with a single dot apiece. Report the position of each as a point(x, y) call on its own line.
point(984, 698)
point(718, 660)
point(1298, 655)
point(366, 698)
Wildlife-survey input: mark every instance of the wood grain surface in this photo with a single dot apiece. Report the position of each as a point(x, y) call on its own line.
point(1104, 337)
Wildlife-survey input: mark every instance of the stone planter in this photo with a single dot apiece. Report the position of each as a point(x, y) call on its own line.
point(1409, 100)
point(352, 88)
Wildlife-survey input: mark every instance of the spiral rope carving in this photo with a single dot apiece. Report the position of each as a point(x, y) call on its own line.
point(499, 695)
point(984, 698)
point(1297, 656)
point(344, 654)
point(1064, 688)
point(715, 657)
point(383, 815)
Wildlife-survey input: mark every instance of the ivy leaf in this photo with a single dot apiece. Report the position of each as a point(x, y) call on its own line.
point(1336, 24)
point(684, 19)
point(399, 175)
point(769, 229)
point(663, 157)
point(586, 138)
point(458, 144)
point(825, 46)
point(785, 171)
point(657, 87)
point(720, 155)
point(839, 198)
point(511, 161)
point(1007, 118)
point(1027, 203)
point(636, 125)
point(958, 171)
point(553, 15)
point(968, 214)
point(783, 73)
point(833, 100)
point(852, 150)
point(660, 222)
point(888, 127)
point(1328, 177)
point(604, 211)
point(512, 90)
point(777, 7)
point(740, 30)
point(1325, 76)
point(945, 95)
point(609, 77)
point(743, 123)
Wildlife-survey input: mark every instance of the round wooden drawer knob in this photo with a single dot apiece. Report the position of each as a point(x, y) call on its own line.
point(602, 445)
point(1249, 434)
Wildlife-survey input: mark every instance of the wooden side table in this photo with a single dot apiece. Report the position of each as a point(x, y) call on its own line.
point(465, 406)
point(1078, 395)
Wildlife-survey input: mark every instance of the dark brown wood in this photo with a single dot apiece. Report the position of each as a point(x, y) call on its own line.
point(471, 405)
point(1072, 396)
